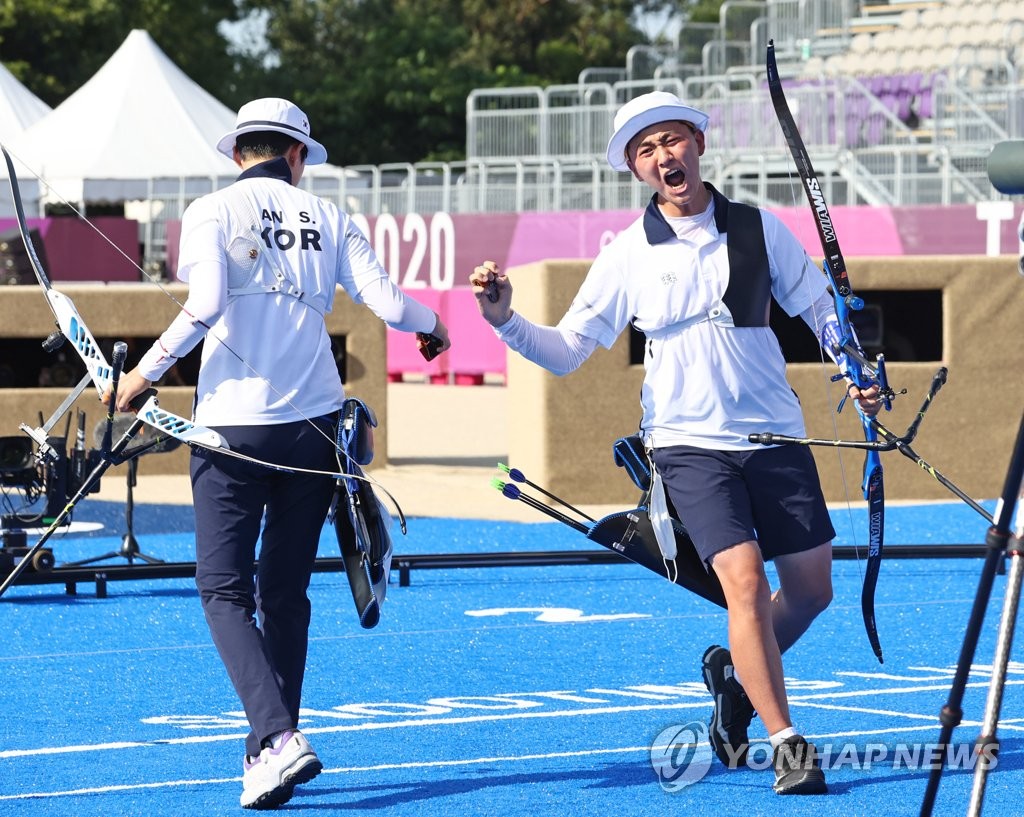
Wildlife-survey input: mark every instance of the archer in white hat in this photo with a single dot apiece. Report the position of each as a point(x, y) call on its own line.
point(273, 115)
point(264, 261)
point(696, 273)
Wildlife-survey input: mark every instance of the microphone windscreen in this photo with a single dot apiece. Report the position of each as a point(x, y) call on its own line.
point(122, 422)
point(1006, 167)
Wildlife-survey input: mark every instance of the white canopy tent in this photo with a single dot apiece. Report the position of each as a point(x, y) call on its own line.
point(140, 131)
point(139, 117)
point(19, 109)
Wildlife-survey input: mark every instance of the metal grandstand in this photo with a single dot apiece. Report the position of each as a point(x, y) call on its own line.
point(899, 103)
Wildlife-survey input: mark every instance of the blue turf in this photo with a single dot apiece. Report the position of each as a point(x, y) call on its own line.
point(497, 691)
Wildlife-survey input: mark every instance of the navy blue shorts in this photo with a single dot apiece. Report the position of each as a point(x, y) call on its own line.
point(769, 495)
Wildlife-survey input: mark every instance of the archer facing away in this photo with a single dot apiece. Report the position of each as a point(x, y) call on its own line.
point(695, 273)
point(263, 259)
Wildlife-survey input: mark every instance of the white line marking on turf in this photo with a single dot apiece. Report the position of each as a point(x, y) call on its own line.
point(864, 709)
point(166, 784)
point(358, 727)
point(428, 764)
point(412, 722)
point(867, 711)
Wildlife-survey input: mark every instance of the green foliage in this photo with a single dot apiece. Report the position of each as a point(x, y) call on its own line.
point(381, 80)
point(387, 80)
point(54, 46)
point(704, 11)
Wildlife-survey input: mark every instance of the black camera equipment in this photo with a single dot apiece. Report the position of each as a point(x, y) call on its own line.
point(17, 462)
point(50, 473)
point(66, 480)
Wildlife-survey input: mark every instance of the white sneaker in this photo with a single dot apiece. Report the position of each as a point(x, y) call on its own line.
point(270, 779)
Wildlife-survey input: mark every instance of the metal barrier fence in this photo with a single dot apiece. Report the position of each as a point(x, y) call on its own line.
point(889, 140)
point(863, 152)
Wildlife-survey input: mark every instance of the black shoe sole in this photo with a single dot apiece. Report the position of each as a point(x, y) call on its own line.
point(305, 774)
point(275, 798)
point(811, 784)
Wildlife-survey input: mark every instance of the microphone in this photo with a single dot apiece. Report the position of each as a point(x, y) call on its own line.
point(1006, 167)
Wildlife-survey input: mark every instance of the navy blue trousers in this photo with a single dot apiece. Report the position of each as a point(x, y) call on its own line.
point(259, 619)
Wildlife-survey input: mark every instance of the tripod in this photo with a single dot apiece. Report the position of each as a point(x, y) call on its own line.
point(129, 545)
point(997, 539)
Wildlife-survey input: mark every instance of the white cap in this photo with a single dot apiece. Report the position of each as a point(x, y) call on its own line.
point(278, 115)
point(642, 112)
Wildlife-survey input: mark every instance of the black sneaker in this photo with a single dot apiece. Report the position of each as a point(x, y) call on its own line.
point(797, 768)
point(733, 710)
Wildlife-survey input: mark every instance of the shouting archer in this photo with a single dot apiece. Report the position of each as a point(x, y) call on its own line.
point(696, 274)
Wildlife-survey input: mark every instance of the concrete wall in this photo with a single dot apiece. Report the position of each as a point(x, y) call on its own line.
point(142, 310)
point(562, 429)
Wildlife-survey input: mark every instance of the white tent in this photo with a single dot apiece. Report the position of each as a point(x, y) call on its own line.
point(137, 124)
point(141, 131)
point(19, 107)
point(137, 118)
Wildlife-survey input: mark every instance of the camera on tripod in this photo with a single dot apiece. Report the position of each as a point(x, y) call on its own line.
point(17, 462)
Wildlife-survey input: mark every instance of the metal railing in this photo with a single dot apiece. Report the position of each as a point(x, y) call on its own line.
point(542, 149)
point(895, 175)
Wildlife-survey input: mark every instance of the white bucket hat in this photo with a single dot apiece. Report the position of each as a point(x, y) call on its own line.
point(642, 112)
point(273, 114)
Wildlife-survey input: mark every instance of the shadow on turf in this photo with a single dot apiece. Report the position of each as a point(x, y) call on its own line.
point(609, 776)
point(383, 796)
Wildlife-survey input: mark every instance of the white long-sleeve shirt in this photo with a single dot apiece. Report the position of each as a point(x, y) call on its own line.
point(263, 259)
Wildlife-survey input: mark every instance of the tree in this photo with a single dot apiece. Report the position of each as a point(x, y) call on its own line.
point(382, 80)
point(54, 46)
point(387, 80)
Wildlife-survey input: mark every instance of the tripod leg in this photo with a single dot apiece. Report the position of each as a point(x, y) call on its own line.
point(129, 544)
point(987, 746)
point(996, 539)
